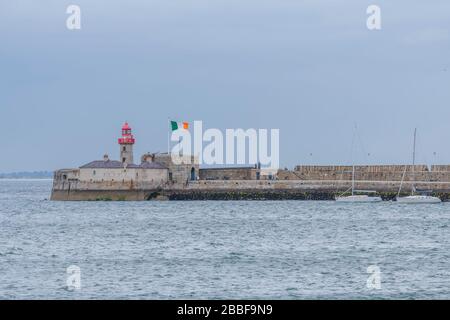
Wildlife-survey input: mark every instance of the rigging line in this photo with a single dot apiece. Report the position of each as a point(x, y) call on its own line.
point(401, 182)
point(346, 191)
point(353, 160)
point(340, 179)
point(362, 144)
point(420, 155)
point(352, 146)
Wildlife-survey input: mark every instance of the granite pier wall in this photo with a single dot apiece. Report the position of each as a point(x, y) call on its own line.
point(243, 190)
point(304, 182)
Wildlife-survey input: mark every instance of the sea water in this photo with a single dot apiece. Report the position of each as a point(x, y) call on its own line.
point(219, 249)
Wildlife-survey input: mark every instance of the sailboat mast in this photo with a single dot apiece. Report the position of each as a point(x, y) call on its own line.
point(353, 179)
point(414, 147)
point(353, 159)
point(414, 161)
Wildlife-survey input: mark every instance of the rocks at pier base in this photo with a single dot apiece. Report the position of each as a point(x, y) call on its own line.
point(249, 195)
point(275, 195)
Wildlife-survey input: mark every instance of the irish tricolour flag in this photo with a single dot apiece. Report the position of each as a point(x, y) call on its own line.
point(177, 125)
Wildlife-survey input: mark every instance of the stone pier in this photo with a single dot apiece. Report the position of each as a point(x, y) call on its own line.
point(244, 190)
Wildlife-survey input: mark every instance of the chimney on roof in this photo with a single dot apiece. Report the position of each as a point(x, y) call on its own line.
point(148, 157)
point(105, 158)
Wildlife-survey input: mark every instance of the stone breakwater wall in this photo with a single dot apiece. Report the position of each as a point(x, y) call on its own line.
point(294, 190)
point(240, 190)
point(304, 182)
point(122, 185)
point(366, 172)
point(243, 173)
point(74, 189)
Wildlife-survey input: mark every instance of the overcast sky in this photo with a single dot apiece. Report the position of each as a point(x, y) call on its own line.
point(310, 68)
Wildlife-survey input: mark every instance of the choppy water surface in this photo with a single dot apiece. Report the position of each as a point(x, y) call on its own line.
point(219, 249)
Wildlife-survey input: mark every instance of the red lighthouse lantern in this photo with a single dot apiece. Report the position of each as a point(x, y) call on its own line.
point(127, 137)
point(126, 143)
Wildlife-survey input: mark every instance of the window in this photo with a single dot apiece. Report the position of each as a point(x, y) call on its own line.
point(124, 149)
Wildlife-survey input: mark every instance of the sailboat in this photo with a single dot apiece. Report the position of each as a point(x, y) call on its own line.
point(417, 196)
point(357, 197)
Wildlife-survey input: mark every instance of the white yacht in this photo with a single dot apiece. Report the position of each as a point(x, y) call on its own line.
point(418, 199)
point(422, 196)
point(357, 197)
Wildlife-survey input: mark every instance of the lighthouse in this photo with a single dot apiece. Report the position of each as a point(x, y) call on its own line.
point(126, 143)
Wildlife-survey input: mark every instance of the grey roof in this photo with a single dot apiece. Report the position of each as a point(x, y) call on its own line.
point(103, 164)
point(113, 164)
point(151, 165)
point(228, 168)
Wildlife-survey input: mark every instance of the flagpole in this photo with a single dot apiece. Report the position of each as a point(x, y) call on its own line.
point(168, 136)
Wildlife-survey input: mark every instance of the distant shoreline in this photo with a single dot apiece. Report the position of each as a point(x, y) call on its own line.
point(25, 179)
point(27, 175)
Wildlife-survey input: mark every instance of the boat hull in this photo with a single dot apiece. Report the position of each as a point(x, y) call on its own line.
point(359, 199)
point(418, 199)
